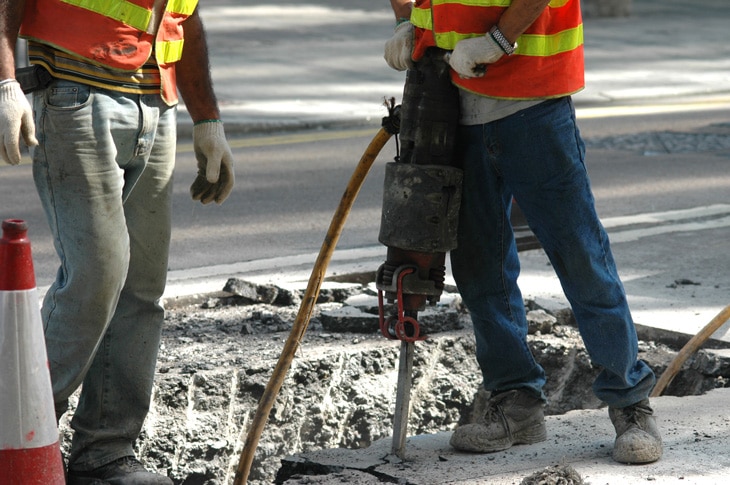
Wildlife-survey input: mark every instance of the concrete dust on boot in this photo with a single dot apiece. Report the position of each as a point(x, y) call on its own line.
point(511, 418)
point(637, 435)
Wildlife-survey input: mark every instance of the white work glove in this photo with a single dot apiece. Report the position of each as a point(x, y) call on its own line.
point(398, 49)
point(16, 118)
point(215, 163)
point(471, 56)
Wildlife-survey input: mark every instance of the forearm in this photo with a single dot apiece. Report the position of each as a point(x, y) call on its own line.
point(519, 16)
point(11, 14)
point(193, 73)
point(401, 8)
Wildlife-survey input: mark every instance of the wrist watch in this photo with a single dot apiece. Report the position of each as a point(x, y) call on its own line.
point(498, 37)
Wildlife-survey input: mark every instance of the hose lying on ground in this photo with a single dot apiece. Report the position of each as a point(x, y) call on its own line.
point(688, 349)
point(305, 309)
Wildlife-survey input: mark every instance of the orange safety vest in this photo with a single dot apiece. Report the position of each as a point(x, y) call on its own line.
point(113, 33)
point(547, 63)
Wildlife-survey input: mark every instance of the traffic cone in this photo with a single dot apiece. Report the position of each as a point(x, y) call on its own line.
point(29, 448)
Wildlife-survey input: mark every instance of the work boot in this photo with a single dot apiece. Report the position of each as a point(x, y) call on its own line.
point(511, 418)
point(124, 471)
point(637, 435)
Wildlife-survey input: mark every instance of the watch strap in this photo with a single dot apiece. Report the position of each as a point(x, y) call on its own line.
point(498, 37)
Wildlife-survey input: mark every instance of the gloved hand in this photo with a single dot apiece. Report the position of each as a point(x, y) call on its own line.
point(16, 118)
point(471, 56)
point(215, 163)
point(398, 49)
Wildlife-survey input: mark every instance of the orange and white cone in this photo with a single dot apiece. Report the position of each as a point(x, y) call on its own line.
point(29, 447)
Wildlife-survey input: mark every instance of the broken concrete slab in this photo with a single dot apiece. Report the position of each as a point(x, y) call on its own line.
point(696, 434)
point(251, 292)
point(349, 319)
point(358, 320)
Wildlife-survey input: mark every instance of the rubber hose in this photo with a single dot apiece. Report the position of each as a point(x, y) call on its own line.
point(299, 326)
point(689, 349)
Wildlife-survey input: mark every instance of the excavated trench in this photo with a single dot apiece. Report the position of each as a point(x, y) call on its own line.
point(217, 357)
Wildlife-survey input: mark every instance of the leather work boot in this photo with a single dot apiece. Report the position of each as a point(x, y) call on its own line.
point(124, 471)
point(637, 435)
point(512, 418)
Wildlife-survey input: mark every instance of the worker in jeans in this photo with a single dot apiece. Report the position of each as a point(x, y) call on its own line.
point(516, 64)
point(104, 122)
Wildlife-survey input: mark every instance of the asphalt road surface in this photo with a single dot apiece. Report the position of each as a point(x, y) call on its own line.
point(641, 160)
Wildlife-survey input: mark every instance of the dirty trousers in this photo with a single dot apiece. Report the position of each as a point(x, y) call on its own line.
point(103, 171)
point(537, 155)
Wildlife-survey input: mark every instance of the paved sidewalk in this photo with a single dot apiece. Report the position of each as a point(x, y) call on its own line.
point(696, 434)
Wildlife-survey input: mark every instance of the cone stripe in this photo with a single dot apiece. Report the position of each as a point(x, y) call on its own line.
point(16, 262)
point(45, 463)
point(29, 449)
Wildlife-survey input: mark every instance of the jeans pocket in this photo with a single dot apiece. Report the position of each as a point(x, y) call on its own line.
point(67, 95)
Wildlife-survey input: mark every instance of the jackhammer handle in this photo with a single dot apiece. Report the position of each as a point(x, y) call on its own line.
point(306, 307)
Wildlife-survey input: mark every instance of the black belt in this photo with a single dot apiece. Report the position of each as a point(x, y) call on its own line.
point(33, 78)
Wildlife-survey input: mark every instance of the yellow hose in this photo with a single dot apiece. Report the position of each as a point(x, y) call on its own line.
point(688, 349)
point(305, 309)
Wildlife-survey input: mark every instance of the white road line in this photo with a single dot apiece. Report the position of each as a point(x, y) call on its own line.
point(636, 234)
point(721, 102)
point(666, 216)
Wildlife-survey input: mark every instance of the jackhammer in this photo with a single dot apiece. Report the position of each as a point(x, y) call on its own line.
point(421, 198)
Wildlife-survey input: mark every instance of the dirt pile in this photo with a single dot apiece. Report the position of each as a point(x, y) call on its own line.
point(217, 356)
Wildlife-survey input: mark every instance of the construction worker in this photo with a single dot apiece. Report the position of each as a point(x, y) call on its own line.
point(516, 64)
point(106, 81)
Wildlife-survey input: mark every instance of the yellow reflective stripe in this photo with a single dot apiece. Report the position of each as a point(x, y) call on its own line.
point(476, 3)
point(126, 12)
point(527, 44)
point(168, 52)
point(184, 7)
point(548, 45)
point(557, 3)
point(421, 17)
point(448, 40)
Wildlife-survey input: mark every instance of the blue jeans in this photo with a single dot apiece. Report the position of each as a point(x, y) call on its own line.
point(537, 156)
point(103, 171)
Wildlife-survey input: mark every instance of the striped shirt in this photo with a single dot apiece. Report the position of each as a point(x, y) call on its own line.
point(62, 65)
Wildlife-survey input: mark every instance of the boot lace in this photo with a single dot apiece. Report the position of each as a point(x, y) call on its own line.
point(636, 415)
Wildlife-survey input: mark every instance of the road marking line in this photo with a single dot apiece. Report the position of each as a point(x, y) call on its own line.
point(665, 216)
point(636, 234)
point(648, 109)
point(289, 139)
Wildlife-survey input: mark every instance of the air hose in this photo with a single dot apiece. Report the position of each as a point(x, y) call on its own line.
point(689, 349)
point(299, 327)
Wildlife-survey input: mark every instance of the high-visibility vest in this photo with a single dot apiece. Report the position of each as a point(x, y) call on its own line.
point(112, 33)
point(547, 63)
